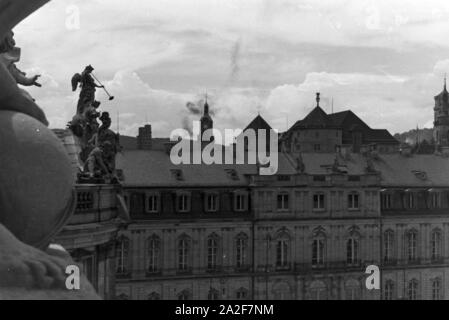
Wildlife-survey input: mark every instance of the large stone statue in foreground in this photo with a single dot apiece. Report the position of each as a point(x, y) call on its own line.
point(36, 183)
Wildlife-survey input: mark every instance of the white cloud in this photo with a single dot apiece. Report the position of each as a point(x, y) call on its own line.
point(158, 55)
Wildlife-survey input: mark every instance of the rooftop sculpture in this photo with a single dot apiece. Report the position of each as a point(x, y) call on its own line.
point(99, 144)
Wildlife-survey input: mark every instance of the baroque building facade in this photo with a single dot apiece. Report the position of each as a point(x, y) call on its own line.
point(308, 232)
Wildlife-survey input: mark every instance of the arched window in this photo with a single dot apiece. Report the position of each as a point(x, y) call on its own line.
point(436, 244)
point(352, 290)
point(412, 241)
point(154, 296)
point(183, 253)
point(352, 251)
point(389, 290)
point(213, 294)
point(318, 291)
point(212, 251)
point(282, 291)
point(184, 295)
point(388, 246)
point(154, 252)
point(282, 250)
point(241, 247)
point(318, 249)
point(412, 289)
point(436, 289)
point(122, 256)
point(241, 294)
point(122, 296)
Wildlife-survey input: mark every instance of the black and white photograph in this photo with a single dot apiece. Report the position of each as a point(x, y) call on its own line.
point(224, 155)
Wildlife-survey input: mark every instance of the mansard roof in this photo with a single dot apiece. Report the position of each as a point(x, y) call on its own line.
point(400, 171)
point(147, 168)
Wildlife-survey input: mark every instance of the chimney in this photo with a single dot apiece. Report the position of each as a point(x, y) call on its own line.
point(145, 139)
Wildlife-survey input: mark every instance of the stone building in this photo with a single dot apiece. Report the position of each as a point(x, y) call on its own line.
point(91, 232)
point(320, 132)
point(308, 232)
point(441, 118)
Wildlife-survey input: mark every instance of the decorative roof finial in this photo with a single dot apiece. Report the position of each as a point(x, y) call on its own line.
point(318, 99)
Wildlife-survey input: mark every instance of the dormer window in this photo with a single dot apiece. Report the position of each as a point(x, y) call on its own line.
point(183, 202)
point(282, 202)
point(409, 200)
point(353, 201)
point(211, 202)
point(240, 202)
point(152, 203)
point(421, 175)
point(318, 202)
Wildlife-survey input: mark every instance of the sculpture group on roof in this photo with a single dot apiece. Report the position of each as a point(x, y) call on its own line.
point(99, 144)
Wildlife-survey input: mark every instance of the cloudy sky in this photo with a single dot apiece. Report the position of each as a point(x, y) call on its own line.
point(385, 60)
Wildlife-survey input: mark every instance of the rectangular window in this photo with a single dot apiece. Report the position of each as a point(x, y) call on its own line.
point(240, 202)
point(385, 201)
point(122, 252)
point(409, 200)
point(183, 252)
point(183, 203)
point(353, 201)
point(412, 290)
point(411, 244)
point(212, 253)
point(212, 202)
point(388, 246)
point(317, 147)
point(389, 290)
point(318, 252)
point(282, 202)
point(436, 245)
point(241, 294)
point(436, 289)
point(240, 252)
point(352, 248)
point(153, 255)
point(318, 202)
point(435, 200)
point(153, 203)
point(282, 253)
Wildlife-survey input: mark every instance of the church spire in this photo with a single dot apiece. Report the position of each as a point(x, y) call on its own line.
point(206, 107)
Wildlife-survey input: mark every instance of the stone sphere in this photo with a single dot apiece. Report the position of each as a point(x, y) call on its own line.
point(36, 179)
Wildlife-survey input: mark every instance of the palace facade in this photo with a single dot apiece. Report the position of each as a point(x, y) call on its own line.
point(345, 197)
